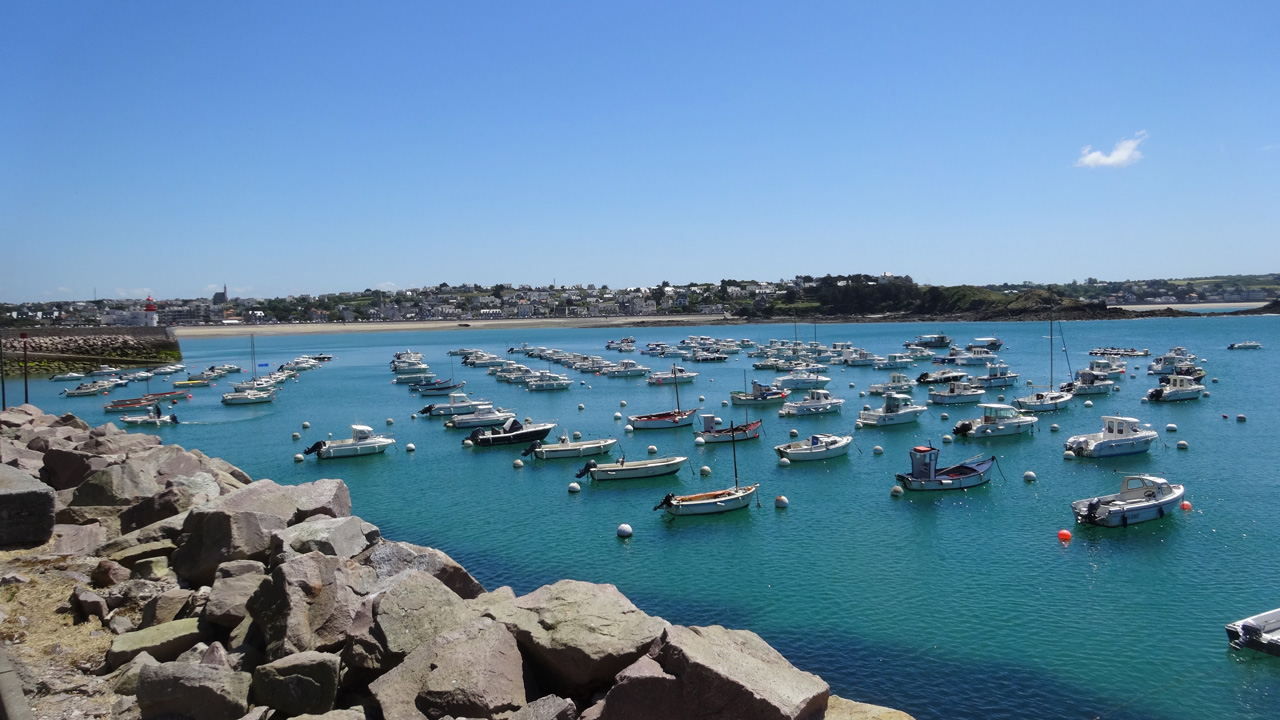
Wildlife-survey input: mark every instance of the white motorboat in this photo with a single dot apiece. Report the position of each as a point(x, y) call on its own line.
point(1246, 345)
point(707, 503)
point(1179, 387)
point(897, 410)
point(734, 433)
point(930, 341)
point(228, 369)
point(676, 375)
point(87, 389)
point(816, 402)
point(998, 375)
point(1141, 498)
point(857, 357)
point(363, 441)
point(898, 383)
point(1260, 632)
point(758, 395)
point(801, 380)
point(893, 361)
point(977, 356)
point(153, 417)
point(662, 420)
point(567, 448)
point(64, 377)
point(1167, 363)
point(918, 353)
point(1088, 382)
point(169, 369)
point(627, 368)
point(104, 370)
point(249, 397)
point(941, 377)
point(459, 404)
point(634, 469)
point(1119, 436)
point(484, 416)
point(997, 420)
point(1112, 367)
point(989, 343)
point(413, 378)
point(815, 447)
point(1046, 401)
point(925, 474)
point(957, 392)
point(546, 380)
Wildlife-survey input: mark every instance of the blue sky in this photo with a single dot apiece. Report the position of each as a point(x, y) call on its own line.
point(292, 147)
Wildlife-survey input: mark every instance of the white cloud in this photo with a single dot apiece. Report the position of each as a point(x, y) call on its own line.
point(386, 286)
point(212, 288)
point(62, 289)
point(1270, 147)
point(1126, 152)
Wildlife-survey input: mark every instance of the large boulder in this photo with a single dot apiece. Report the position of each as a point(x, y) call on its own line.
point(168, 529)
point(551, 707)
point(198, 692)
point(77, 540)
point(583, 634)
point(302, 683)
point(18, 455)
point(132, 555)
point(163, 642)
point(390, 558)
point(414, 609)
point(641, 691)
point(341, 537)
point(308, 603)
point(66, 469)
point(115, 485)
point(170, 464)
point(108, 516)
point(119, 444)
point(839, 708)
point(473, 671)
point(164, 504)
point(26, 509)
point(734, 673)
point(235, 583)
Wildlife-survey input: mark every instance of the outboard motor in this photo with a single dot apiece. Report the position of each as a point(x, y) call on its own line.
point(591, 465)
point(427, 410)
point(314, 448)
point(1155, 394)
point(173, 419)
point(1091, 510)
point(964, 427)
point(665, 502)
point(475, 435)
point(532, 446)
point(923, 377)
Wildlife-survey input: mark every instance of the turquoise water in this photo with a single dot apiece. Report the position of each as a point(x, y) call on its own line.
point(947, 605)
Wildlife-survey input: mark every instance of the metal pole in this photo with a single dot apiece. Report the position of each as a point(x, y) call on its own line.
point(4, 397)
point(26, 397)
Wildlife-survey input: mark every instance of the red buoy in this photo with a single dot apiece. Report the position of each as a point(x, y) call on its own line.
point(1186, 505)
point(1064, 535)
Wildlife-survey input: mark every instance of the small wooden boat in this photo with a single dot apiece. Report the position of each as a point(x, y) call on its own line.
point(634, 470)
point(815, 447)
point(734, 433)
point(707, 503)
point(1141, 498)
point(363, 441)
point(925, 474)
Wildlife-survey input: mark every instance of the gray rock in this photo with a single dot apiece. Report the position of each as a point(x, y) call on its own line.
point(216, 654)
point(390, 558)
point(67, 469)
point(135, 593)
point(328, 496)
point(198, 692)
point(114, 485)
point(341, 537)
point(348, 714)
point(553, 708)
point(734, 673)
point(126, 678)
point(108, 573)
point(164, 504)
point(583, 634)
point(164, 642)
point(119, 624)
point(167, 607)
point(77, 540)
point(71, 421)
point(302, 683)
point(414, 609)
point(26, 509)
point(307, 604)
point(106, 516)
point(235, 582)
point(130, 556)
point(119, 444)
point(839, 708)
point(194, 654)
point(167, 529)
point(641, 691)
point(89, 604)
point(474, 671)
point(152, 568)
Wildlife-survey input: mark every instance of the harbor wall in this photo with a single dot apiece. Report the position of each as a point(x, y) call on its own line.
point(52, 350)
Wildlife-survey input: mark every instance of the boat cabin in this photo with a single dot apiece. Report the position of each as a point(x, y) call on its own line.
point(893, 402)
point(361, 432)
point(994, 413)
point(1182, 382)
point(1144, 487)
point(818, 395)
point(924, 462)
point(1118, 427)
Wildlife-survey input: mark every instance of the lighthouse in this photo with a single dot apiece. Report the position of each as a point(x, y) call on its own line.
point(150, 316)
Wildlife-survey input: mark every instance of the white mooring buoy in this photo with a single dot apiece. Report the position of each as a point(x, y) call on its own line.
point(1182, 445)
point(517, 463)
point(299, 457)
point(624, 530)
point(297, 435)
point(877, 450)
point(781, 501)
point(653, 449)
point(704, 471)
point(305, 425)
point(410, 447)
point(896, 491)
point(784, 462)
point(575, 487)
point(1029, 476)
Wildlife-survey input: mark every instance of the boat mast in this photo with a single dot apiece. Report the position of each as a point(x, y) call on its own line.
point(733, 445)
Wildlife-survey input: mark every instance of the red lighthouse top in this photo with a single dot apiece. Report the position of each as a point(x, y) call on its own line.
point(151, 304)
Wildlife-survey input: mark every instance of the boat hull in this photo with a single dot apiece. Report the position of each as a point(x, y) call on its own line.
point(958, 399)
point(575, 449)
point(883, 419)
point(712, 502)
point(341, 449)
point(662, 421)
point(526, 435)
point(639, 469)
point(956, 477)
point(1129, 514)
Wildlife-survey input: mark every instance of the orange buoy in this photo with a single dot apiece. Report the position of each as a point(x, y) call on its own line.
point(1064, 535)
point(189, 396)
point(1186, 505)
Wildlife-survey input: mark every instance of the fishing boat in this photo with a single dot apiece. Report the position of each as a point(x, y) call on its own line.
point(1259, 632)
point(363, 441)
point(998, 375)
point(957, 392)
point(816, 402)
point(511, 432)
point(989, 343)
point(634, 470)
point(801, 380)
point(1088, 382)
point(1246, 345)
point(925, 474)
point(897, 410)
point(997, 420)
point(734, 433)
point(1112, 367)
point(758, 395)
point(413, 378)
point(677, 375)
point(459, 404)
point(627, 368)
point(547, 380)
point(1119, 436)
point(716, 501)
point(1179, 387)
point(153, 417)
point(1141, 498)
point(815, 447)
point(898, 383)
point(930, 341)
point(893, 361)
point(567, 448)
point(484, 416)
point(1050, 399)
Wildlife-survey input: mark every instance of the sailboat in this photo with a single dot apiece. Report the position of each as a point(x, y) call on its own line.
point(668, 419)
point(1050, 399)
point(716, 501)
point(252, 395)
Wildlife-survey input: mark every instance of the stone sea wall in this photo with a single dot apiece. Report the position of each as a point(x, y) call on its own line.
point(159, 582)
point(55, 350)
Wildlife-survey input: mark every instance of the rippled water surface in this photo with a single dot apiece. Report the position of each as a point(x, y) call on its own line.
point(947, 605)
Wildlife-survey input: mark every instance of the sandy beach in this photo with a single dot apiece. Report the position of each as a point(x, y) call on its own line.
point(197, 331)
point(1195, 307)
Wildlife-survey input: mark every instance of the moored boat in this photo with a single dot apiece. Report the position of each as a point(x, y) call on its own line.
point(484, 416)
point(815, 447)
point(957, 392)
point(898, 383)
point(633, 470)
point(1119, 436)
point(1141, 498)
point(1259, 632)
point(996, 420)
point(1179, 387)
point(816, 402)
point(925, 474)
point(511, 432)
point(734, 433)
point(363, 441)
point(758, 395)
point(1245, 345)
point(567, 448)
point(459, 404)
point(897, 410)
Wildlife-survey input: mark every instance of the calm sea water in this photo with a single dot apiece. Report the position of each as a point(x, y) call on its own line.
point(947, 605)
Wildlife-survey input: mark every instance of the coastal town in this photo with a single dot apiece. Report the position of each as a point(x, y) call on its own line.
point(800, 296)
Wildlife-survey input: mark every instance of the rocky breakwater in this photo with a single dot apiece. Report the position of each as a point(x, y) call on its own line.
point(159, 582)
point(55, 350)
